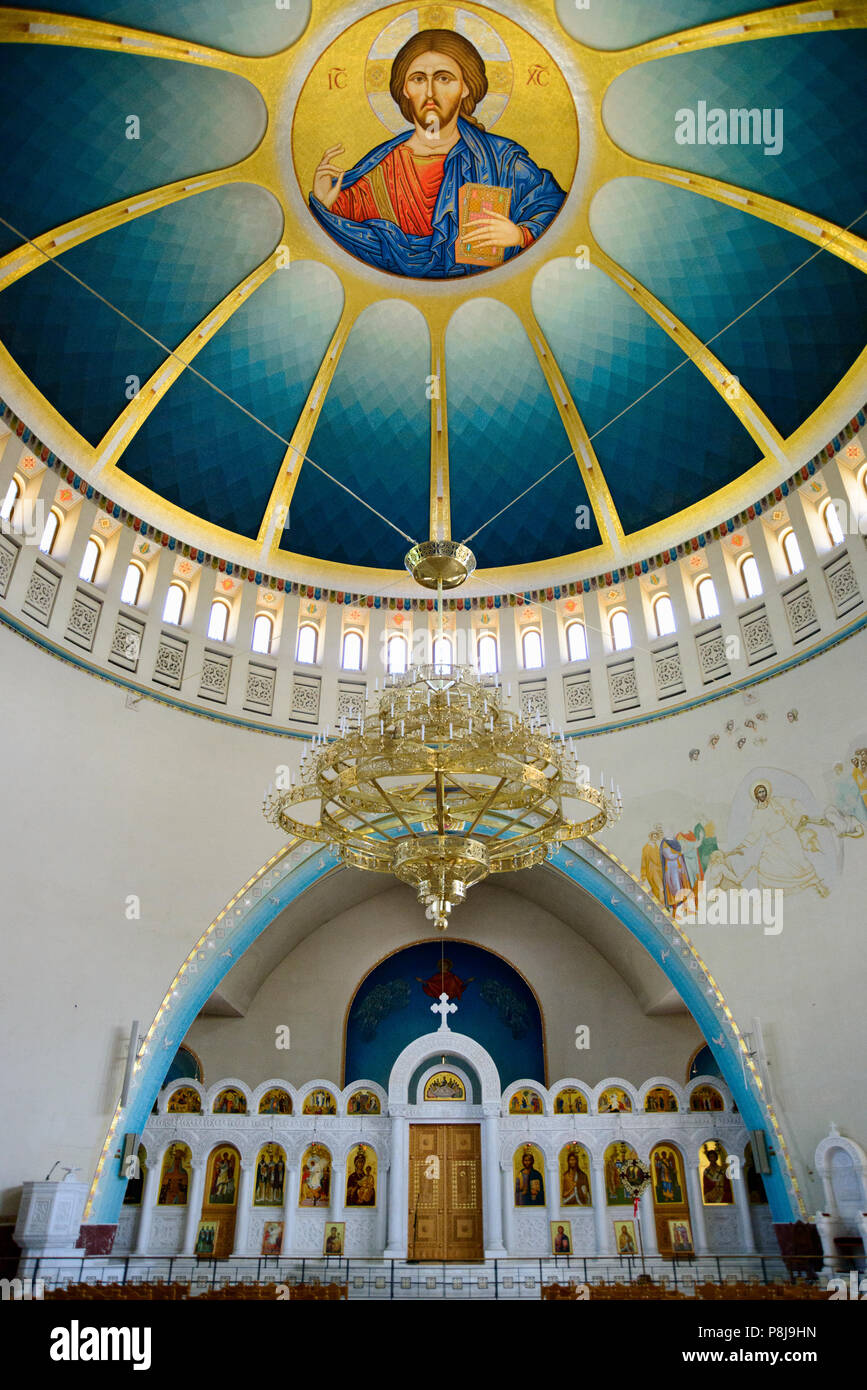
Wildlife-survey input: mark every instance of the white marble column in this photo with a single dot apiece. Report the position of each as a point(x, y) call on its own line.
point(696, 1209)
point(290, 1204)
point(552, 1192)
point(604, 1231)
point(647, 1213)
point(150, 1192)
point(194, 1207)
point(508, 1200)
point(397, 1186)
point(491, 1182)
point(337, 1196)
point(742, 1206)
point(243, 1208)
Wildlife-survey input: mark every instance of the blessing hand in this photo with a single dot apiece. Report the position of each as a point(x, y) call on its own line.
point(324, 187)
point(493, 230)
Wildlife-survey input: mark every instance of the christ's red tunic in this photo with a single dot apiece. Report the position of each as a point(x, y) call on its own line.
point(403, 188)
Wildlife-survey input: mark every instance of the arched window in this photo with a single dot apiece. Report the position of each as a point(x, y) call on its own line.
point(173, 609)
point(218, 620)
point(442, 651)
point(832, 522)
point(263, 634)
point(49, 535)
point(621, 637)
point(531, 649)
point(308, 641)
point(396, 654)
point(13, 492)
point(132, 584)
point(663, 616)
point(576, 641)
point(707, 600)
point(750, 577)
point(488, 657)
point(792, 551)
point(353, 649)
point(92, 554)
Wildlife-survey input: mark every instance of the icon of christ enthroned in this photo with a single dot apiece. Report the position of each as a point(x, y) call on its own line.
point(446, 198)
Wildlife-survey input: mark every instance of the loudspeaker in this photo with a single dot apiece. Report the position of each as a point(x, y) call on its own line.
point(759, 1146)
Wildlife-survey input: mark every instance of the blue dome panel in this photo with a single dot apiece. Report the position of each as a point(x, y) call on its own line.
point(64, 158)
point(710, 264)
point(252, 27)
point(806, 76)
point(203, 452)
point(663, 436)
point(505, 432)
point(151, 269)
point(631, 22)
point(373, 435)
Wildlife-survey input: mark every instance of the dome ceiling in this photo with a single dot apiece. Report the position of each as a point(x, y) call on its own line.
point(178, 326)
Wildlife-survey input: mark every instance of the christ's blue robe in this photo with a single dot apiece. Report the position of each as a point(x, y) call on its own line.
point(478, 157)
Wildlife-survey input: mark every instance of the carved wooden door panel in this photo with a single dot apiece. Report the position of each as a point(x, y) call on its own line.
point(445, 1193)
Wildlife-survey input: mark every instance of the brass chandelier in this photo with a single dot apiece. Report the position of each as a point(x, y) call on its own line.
point(437, 782)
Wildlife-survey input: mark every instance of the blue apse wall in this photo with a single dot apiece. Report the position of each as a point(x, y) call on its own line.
point(286, 877)
point(496, 1007)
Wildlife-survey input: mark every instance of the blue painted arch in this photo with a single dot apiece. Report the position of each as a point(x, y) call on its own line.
point(298, 867)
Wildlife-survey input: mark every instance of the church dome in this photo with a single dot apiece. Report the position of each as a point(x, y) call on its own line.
point(181, 332)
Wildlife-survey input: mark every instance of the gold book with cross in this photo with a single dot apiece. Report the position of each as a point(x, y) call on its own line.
point(478, 200)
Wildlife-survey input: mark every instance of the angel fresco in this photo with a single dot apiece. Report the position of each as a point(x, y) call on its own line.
point(445, 198)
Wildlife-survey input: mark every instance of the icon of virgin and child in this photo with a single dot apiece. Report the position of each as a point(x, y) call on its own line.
point(417, 205)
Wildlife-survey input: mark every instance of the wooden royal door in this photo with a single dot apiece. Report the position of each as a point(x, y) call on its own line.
point(445, 1193)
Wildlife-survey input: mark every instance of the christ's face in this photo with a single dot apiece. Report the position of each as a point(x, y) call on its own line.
point(435, 87)
point(761, 795)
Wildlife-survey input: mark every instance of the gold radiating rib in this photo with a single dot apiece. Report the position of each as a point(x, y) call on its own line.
point(806, 225)
point(277, 510)
point(604, 510)
point(130, 421)
point(69, 31)
point(760, 24)
point(724, 382)
point(440, 493)
point(67, 235)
